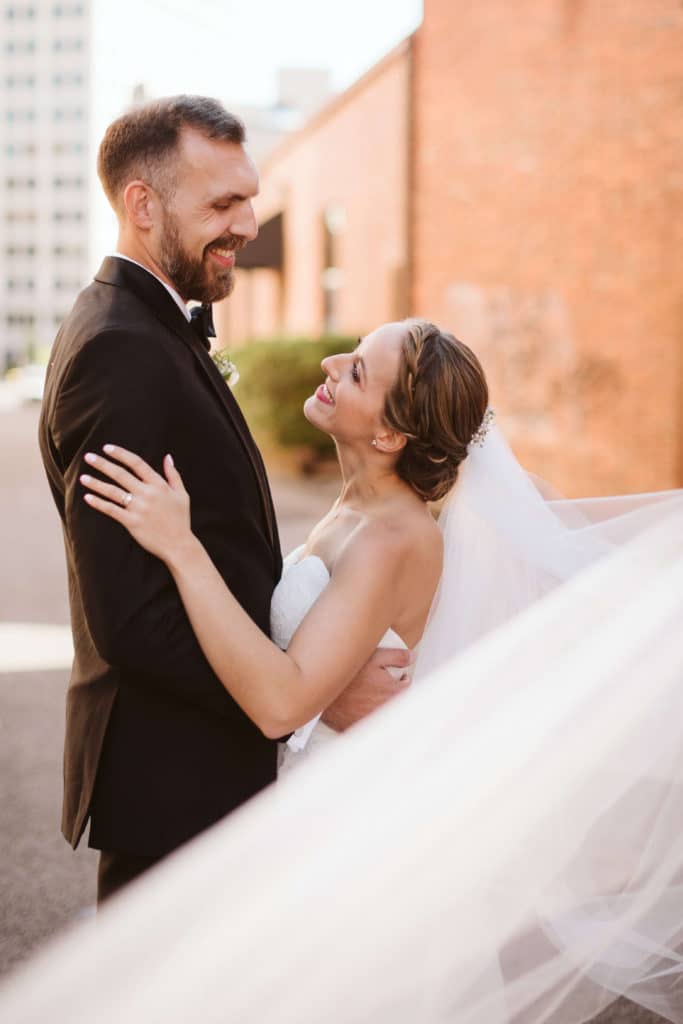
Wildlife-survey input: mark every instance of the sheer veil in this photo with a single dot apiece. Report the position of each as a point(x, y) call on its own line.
point(506, 544)
point(503, 843)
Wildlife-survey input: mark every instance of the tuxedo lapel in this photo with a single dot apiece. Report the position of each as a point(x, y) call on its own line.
point(229, 403)
point(124, 274)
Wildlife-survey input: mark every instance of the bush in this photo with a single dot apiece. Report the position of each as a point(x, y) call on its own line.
point(276, 377)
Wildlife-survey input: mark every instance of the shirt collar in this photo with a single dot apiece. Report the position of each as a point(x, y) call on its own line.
point(171, 291)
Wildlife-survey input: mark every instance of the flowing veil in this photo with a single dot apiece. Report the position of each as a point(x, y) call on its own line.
point(506, 544)
point(503, 844)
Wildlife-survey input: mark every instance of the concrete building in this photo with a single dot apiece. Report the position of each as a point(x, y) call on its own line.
point(514, 173)
point(44, 178)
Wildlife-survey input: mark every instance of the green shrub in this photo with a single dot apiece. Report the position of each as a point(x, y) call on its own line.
point(276, 377)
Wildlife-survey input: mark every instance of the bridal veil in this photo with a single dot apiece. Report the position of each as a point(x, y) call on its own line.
point(502, 843)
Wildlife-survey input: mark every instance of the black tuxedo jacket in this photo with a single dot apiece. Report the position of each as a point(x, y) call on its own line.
point(156, 750)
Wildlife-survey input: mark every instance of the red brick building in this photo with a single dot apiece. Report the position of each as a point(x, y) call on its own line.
point(514, 172)
point(336, 193)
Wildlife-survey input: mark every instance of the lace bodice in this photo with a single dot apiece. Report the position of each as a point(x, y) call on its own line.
point(303, 581)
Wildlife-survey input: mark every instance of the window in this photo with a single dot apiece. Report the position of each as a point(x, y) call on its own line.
point(20, 284)
point(61, 114)
point(26, 13)
point(74, 252)
point(68, 182)
point(20, 216)
point(20, 319)
point(21, 149)
point(68, 78)
point(20, 183)
point(20, 46)
point(67, 216)
point(66, 284)
point(12, 81)
point(20, 115)
point(70, 10)
point(67, 45)
point(20, 250)
point(63, 148)
point(334, 222)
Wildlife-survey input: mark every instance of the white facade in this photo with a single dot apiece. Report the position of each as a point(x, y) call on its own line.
point(45, 159)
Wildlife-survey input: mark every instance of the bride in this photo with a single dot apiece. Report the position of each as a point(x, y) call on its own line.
point(402, 409)
point(408, 411)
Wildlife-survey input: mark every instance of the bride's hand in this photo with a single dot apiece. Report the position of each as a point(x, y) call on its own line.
point(154, 510)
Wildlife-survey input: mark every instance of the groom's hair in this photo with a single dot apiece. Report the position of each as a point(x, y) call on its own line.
point(143, 141)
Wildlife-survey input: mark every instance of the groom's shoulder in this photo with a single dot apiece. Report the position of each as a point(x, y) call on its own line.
point(100, 308)
point(96, 342)
point(104, 319)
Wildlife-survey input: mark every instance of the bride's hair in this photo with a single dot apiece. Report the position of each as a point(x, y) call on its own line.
point(438, 401)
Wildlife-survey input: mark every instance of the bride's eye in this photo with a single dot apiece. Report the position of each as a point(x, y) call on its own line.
point(355, 373)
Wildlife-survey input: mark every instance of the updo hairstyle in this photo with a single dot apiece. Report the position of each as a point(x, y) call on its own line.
point(438, 402)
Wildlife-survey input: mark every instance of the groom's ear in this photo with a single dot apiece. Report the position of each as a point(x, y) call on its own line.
point(140, 201)
point(390, 441)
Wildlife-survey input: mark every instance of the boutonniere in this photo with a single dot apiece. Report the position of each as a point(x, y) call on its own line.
point(226, 367)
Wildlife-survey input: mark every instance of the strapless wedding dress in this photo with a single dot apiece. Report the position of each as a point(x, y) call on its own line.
point(303, 581)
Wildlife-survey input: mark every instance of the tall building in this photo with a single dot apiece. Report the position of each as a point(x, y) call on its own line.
point(44, 168)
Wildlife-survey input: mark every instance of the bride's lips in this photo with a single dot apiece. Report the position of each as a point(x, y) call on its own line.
point(226, 257)
point(323, 395)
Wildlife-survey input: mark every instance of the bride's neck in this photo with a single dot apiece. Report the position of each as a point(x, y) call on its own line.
point(366, 480)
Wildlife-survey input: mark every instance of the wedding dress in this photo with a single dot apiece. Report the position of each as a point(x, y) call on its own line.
point(303, 581)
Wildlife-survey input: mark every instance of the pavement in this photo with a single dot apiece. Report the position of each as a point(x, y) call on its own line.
point(44, 885)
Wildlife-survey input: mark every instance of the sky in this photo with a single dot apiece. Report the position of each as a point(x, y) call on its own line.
point(231, 50)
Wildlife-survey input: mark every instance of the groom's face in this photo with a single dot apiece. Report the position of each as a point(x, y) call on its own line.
point(208, 217)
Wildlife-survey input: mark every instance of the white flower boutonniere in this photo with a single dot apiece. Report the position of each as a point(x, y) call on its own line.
point(226, 367)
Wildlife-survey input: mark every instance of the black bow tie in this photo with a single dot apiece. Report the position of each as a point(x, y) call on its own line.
point(202, 324)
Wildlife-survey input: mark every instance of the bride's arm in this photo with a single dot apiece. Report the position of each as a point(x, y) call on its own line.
point(278, 690)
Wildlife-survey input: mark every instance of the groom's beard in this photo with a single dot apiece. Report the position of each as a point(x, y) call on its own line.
point(192, 278)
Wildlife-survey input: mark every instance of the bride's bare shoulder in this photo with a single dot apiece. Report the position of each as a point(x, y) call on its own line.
point(403, 535)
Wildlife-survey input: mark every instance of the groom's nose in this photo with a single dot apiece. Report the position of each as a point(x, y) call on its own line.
point(244, 222)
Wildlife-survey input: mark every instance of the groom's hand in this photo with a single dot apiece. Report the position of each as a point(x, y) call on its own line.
point(374, 685)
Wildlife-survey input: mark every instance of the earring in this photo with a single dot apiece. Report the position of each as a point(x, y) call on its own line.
point(374, 442)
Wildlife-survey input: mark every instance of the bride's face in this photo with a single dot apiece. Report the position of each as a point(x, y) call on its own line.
point(350, 403)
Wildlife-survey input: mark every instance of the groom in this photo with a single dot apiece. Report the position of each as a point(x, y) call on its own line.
point(156, 750)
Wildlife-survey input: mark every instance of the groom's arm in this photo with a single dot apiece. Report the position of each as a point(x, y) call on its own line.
point(374, 685)
point(117, 390)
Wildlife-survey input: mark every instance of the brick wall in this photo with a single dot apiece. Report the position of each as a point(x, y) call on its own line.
point(548, 224)
point(352, 157)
